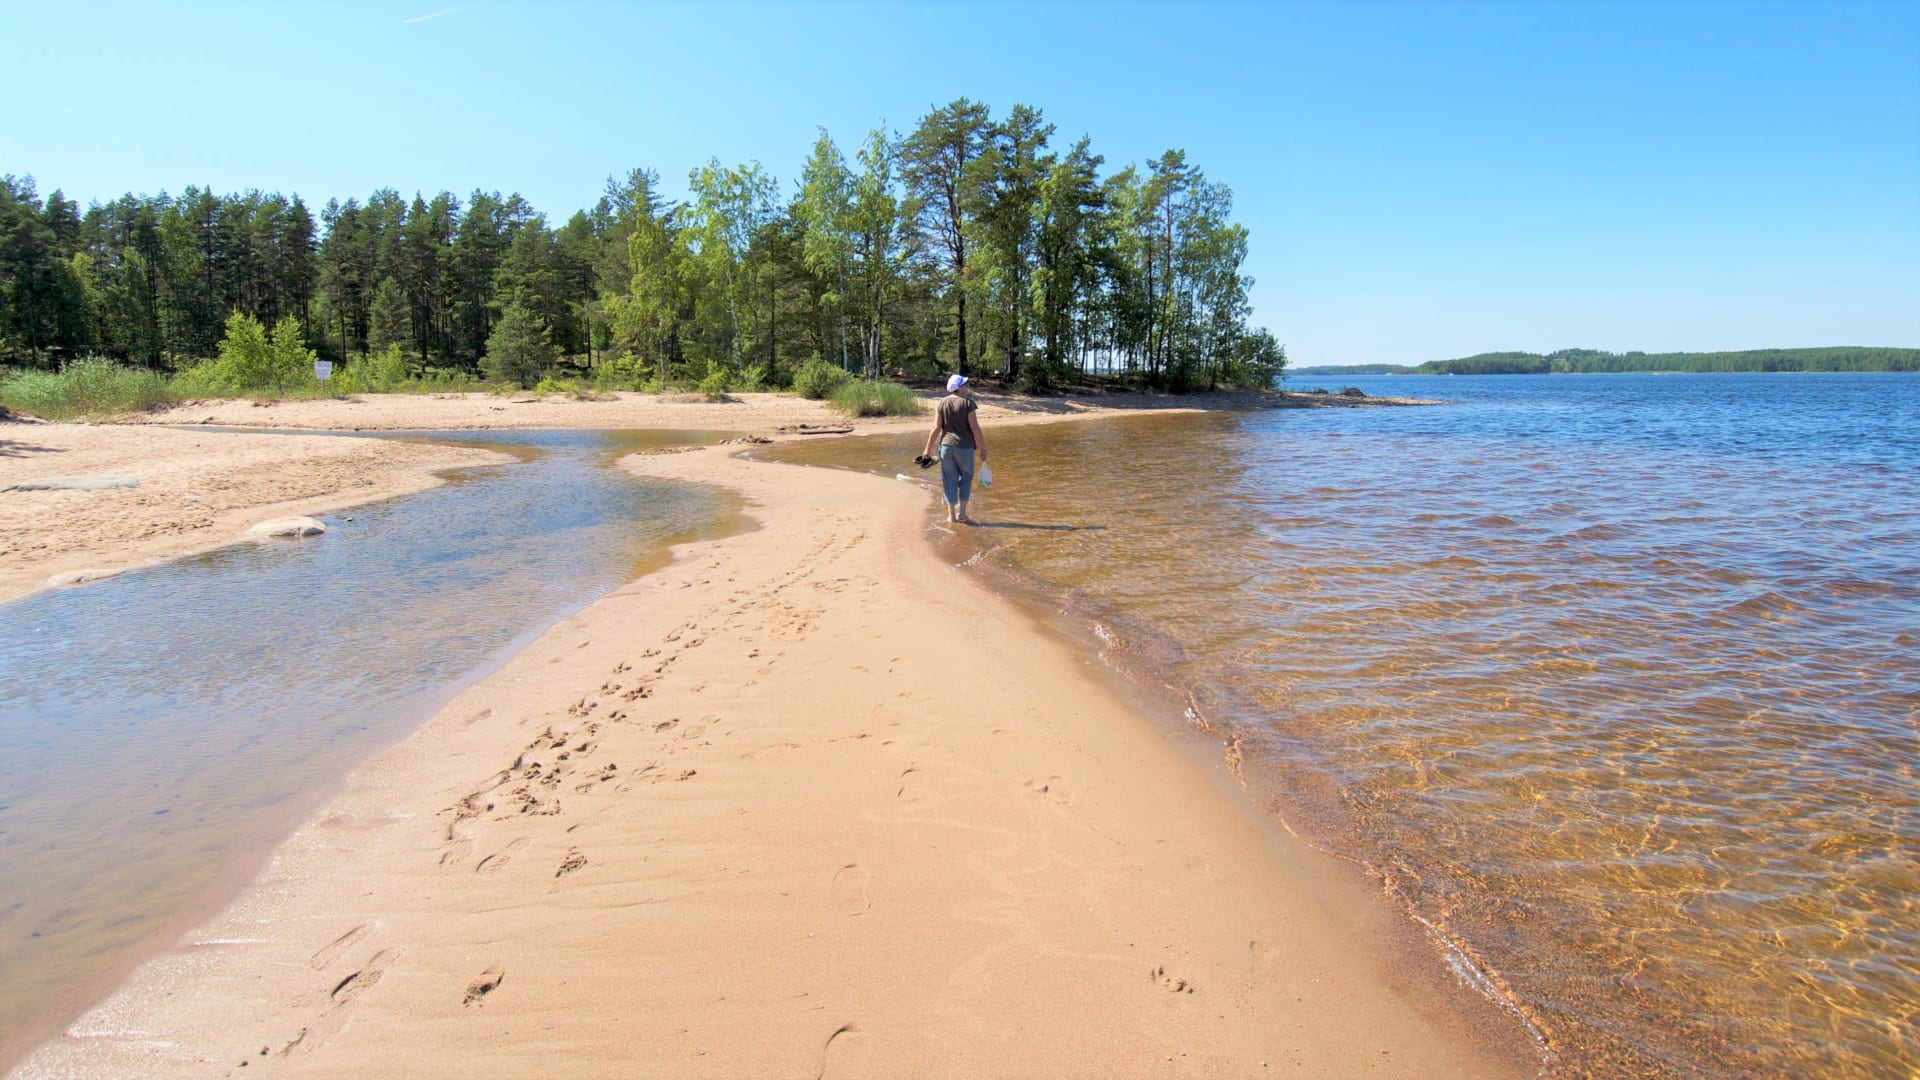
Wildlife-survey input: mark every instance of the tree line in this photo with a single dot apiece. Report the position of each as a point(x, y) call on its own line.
point(970, 243)
point(1596, 361)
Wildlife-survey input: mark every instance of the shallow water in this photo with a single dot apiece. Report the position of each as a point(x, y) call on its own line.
point(161, 729)
point(1610, 680)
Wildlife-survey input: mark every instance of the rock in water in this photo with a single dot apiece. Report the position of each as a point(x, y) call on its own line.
point(73, 578)
point(287, 528)
point(74, 483)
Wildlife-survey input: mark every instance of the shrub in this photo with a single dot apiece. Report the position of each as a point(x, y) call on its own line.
point(207, 378)
point(90, 387)
point(817, 380)
point(717, 383)
point(876, 399)
point(383, 370)
point(755, 379)
point(623, 372)
point(250, 359)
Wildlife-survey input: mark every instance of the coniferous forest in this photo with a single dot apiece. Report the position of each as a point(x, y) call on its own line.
point(969, 243)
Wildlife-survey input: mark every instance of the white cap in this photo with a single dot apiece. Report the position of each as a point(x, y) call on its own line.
point(955, 382)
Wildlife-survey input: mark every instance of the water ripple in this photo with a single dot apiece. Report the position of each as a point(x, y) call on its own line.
point(1610, 679)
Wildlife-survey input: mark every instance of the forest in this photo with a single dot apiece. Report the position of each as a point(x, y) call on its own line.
point(969, 243)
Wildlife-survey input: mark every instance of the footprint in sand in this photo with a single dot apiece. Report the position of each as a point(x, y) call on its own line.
point(484, 983)
point(455, 850)
point(328, 953)
point(362, 980)
point(849, 890)
point(1169, 983)
point(845, 1053)
point(572, 862)
point(1262, 965)
point(908, 790)
point(497, 861)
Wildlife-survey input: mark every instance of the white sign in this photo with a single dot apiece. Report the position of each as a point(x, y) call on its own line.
point(323, 370)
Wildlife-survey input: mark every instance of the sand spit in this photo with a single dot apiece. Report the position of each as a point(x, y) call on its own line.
point(806, 803)
point(739, 412)
point(194, 491)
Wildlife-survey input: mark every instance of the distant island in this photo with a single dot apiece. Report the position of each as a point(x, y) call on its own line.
point(1592, 361)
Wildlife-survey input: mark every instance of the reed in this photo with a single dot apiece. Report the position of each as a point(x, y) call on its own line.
point(876, 399)
point(84, 388)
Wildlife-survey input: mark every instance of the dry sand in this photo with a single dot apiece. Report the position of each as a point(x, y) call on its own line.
point(809, 803)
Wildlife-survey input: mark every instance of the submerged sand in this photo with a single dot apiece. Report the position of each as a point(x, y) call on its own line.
point(806, 802)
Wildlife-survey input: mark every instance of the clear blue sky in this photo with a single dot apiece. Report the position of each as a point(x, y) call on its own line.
point(1422, 181)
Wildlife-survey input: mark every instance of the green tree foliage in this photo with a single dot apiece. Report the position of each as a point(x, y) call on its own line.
point(253, 359)
point(731, 207)
point(966, 242)
point(648, 308)
point(936, 162)
point(825, 210)
point(883, 242)
point(520, 349)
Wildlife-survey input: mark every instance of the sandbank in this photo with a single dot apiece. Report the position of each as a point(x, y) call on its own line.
point(806, 802)
point(196, 490)
point(767, 800)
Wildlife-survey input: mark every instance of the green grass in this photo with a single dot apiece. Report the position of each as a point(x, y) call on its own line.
point(876, 399)
point(86, 388)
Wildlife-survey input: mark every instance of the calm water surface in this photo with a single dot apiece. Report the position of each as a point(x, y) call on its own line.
point(1612, 681)
point(161, 729)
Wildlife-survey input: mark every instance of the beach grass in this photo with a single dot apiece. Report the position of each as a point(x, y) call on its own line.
point(84, 388)
point(876, 399)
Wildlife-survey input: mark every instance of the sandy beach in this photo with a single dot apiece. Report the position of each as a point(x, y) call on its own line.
point(808, 802)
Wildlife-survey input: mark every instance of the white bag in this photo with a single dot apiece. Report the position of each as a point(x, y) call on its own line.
point(985, 476)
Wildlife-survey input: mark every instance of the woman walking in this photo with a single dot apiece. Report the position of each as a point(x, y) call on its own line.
point(956, 426)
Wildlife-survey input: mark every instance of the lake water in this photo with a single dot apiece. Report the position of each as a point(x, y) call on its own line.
point(160, 730)
point(1611, 682)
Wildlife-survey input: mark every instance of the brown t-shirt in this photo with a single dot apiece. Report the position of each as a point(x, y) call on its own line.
point(954, 428)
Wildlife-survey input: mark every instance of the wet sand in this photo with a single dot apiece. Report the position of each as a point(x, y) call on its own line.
point(196, 491)
point(807, 802)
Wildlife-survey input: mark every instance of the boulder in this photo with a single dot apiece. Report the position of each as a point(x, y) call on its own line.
point(287, 528)
point(74, 483)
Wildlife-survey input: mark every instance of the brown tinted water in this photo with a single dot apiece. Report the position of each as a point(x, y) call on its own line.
point(161, 730)
point(1611, 682)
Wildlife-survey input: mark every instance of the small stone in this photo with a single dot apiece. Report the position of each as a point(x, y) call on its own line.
point(287, 528)
point(79, 577)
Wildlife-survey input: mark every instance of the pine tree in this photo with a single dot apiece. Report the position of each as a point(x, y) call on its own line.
point(520, 348)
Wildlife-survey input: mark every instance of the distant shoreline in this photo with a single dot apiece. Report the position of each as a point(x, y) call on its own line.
point(1835, 359)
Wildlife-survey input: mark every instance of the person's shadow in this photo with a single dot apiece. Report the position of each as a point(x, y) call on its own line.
point(11, 448)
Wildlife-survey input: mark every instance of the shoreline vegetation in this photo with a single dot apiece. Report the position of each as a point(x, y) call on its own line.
point(971, 242)
point(745, 796)
point(1595, 361)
